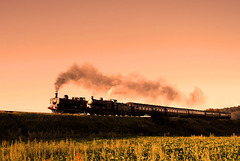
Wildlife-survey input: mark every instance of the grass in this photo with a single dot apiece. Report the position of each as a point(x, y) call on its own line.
point(139, 148)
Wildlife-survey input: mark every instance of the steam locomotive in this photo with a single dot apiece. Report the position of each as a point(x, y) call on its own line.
point(112, 107)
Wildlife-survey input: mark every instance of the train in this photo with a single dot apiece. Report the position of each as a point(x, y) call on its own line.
point(113, 107)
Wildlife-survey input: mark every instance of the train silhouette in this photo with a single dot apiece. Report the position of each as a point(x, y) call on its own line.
point(112, 107)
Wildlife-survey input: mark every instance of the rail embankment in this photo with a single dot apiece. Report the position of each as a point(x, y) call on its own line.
point(14, 125)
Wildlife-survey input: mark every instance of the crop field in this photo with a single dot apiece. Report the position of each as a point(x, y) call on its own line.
point(138, 148)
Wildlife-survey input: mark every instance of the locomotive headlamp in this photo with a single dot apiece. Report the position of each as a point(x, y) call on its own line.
point(89, 103)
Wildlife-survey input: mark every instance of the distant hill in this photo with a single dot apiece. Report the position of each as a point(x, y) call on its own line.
point(235, 112)
point(231, 109)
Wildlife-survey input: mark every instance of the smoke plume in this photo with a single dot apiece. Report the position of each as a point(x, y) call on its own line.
point(90, 78)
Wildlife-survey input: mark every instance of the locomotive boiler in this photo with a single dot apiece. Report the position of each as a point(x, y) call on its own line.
point(66, 105)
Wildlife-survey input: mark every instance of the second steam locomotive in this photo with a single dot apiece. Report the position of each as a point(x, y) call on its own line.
point(112, 107)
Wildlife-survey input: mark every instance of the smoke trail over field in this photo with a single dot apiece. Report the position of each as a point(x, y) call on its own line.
point(90, 78)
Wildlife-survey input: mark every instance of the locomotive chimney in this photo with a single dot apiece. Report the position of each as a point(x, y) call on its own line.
point(56, 95)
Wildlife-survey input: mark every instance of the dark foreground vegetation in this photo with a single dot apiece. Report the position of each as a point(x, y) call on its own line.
point(14, 125)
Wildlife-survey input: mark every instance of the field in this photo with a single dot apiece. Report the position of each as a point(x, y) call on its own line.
point(139, 148)
point(37, 136)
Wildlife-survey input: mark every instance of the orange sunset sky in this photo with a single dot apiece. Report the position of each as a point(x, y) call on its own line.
point(187, 43)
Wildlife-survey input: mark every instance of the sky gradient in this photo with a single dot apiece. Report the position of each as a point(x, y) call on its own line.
point(187, 43)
